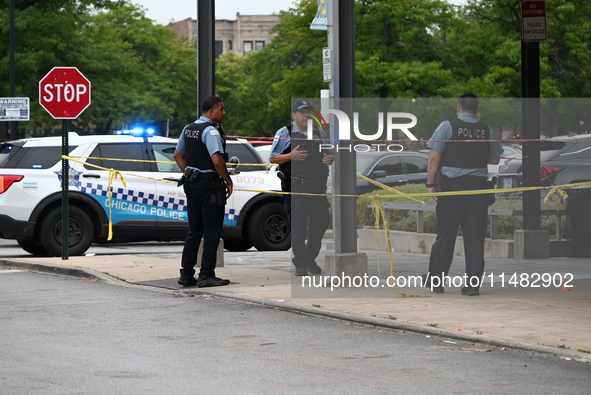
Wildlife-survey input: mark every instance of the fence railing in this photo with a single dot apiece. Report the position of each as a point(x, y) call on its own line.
point(493, 214)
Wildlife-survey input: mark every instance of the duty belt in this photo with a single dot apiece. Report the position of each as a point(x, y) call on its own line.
point(295, 180)
point(468, 180)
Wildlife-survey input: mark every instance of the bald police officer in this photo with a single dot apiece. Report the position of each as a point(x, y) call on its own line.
point(201, 155)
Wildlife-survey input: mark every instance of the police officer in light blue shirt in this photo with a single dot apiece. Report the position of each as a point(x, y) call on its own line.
point(461, 149)
point(201, 155)
point(210, 137)
point(303, 169)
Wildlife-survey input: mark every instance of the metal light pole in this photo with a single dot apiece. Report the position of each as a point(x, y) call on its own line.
point(12, 72)
point(205, 51)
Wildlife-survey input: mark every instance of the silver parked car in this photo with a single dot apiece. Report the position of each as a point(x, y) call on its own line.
point(563, 160)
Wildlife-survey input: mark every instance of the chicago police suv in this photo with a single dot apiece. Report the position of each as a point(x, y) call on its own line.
point(149, 207)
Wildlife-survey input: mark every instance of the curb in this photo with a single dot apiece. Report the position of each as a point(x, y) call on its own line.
point(375, 322)
point(401, 326)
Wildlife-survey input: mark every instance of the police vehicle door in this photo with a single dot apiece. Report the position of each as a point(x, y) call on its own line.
point(133, 205)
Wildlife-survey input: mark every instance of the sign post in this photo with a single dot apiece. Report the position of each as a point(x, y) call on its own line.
point(533, 20)
point(64, 92)
point(14, 109)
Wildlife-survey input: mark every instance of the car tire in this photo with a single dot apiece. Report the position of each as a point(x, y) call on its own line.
point(237, 245)
point(32, 248)
point(268, 228)
point(81, 232)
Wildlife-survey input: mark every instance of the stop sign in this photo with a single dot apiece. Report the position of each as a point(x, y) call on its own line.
point(64, 92)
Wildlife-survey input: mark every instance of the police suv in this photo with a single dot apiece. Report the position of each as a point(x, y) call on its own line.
point(142, 202)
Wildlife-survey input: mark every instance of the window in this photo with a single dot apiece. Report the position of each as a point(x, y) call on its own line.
point(391, 165)
point(259, 45)
point(245, 156)
point(118, 151)
point(230, 45)
point(165, 153)
point(218, 48)
point(36, 158)
point(416, 164)
point(247, 47)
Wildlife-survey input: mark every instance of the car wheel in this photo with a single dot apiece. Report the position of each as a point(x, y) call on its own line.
point(32, 248)
point(268, 228)
point(237, 245)
point(81, 232)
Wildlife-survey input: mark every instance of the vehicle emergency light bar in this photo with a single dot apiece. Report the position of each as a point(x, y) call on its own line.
point(137, 132)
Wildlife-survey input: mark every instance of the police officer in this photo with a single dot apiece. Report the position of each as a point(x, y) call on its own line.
point(201, 155)
point(460, 165)
point(303, 168)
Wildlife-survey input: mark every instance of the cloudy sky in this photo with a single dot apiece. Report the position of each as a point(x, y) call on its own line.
point(162, 11)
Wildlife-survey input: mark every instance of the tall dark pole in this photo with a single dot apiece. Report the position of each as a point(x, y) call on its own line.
point(12, 72)
point(530, 80)
point(205, 50)
point(345, 181)
point(65, 191)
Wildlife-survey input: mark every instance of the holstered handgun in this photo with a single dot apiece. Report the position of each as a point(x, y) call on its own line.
point(220, 192)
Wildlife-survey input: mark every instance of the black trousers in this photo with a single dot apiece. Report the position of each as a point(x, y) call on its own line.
point(307, 213)
point(206, 219)
point(470, 212)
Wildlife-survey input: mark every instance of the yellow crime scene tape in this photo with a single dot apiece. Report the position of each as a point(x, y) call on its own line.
point(378, 206)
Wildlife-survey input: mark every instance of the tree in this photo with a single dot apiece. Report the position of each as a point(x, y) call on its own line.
point(259, 87)
point(139, 71)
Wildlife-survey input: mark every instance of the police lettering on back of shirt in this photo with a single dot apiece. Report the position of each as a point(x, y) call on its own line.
point(472, 133)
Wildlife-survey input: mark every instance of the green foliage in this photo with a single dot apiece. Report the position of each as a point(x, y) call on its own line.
point(404, 220)
point(399, 219)
point(140, 72)
point(404, 49)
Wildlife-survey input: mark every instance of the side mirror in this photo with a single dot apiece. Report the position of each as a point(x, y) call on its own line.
point(234, 163)
point(378, 174)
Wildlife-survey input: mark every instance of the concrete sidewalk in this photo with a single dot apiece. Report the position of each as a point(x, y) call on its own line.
point(506, 314)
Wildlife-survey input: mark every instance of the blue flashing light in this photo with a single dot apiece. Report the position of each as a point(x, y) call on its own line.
point(137, 132)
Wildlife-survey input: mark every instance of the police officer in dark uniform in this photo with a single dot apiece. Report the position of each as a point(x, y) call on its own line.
point(201, 155)
point(303, 168)
point(460, 166)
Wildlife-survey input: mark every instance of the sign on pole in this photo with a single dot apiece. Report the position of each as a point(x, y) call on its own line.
point(320, 22)
point(533, 20)
point(64, 92)
point(14, 109)
point(327, 64)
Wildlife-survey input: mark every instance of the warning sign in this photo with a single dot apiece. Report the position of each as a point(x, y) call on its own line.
point(533, 20)
point(14, 108)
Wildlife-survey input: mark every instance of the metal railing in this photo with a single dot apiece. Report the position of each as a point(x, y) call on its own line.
point(493, 214)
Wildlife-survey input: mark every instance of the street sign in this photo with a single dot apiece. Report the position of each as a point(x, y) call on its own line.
point(64, 92)
point(327, 64)
point(14, 109)
point(533, 20)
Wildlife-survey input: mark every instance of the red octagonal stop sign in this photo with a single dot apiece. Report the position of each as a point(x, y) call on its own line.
point(64, 92)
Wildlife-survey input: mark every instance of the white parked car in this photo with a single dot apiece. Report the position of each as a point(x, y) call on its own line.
point(149, 207)
point(509, 152)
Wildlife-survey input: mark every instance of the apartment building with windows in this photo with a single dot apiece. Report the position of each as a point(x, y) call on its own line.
point(245, 34)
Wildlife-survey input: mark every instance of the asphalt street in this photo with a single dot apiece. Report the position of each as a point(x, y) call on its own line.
point(65, 335)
